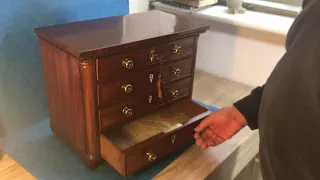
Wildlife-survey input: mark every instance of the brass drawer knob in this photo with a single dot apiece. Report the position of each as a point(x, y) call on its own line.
point(151, 156)
point(174, 93)
point(127, 63)
point(176, 72)
point(127, 111)
point(127, 88)
point(176, 49)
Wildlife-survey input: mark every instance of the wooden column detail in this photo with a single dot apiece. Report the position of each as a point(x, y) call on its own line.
point(91, 125)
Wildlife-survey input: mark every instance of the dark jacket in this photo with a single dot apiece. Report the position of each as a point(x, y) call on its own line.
point(286, 110)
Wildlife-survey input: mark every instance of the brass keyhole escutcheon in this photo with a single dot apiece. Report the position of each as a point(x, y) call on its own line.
point(150, 99)
point(151, 78)
point(173, 138)
point(127, 88)
point(127, 111)
point(174, 93)
point(176, 72)
point(152, 56)
point(176, 49)
point(151, 156)
point(127, 63)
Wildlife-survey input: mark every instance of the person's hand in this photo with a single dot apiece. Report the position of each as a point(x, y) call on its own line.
point(219, 127)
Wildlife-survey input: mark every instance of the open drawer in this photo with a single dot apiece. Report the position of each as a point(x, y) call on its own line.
point(139, 143)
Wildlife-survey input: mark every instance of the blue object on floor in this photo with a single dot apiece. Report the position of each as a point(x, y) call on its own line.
point(47, 158)
point(205, 105)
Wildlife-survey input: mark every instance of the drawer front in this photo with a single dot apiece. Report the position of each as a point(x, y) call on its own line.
point(176, 49)
point(134, 85)
point(132, 157)
point(152, 150)
point(142, 59)
point(144, 155)
point(176, 90)
point(176, 70)
point(116, 114)
point(127, 88)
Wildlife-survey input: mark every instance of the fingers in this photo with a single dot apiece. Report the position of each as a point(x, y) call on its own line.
point(207, 133)
point(200, 141)
point(204, 123)
point(207, 138)
point(212, 138)
point(196, 135)
point(220, 135)
point(211, 142)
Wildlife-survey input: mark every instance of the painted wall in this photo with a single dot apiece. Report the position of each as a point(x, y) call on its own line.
point(22, 94)
point(289, 2)
point(226, 51)
point(237, 53)
point(136, 6)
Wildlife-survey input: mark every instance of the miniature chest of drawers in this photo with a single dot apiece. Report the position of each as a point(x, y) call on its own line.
point(119, 88)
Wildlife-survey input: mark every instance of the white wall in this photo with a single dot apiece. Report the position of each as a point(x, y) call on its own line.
point(289, 2)
point(238, 53)
point(235, 57)
point(136, 6)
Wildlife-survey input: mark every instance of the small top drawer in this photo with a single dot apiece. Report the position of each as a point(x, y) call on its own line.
point(141, 59)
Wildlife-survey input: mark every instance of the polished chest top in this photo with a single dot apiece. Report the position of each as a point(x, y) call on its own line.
point(119, 89)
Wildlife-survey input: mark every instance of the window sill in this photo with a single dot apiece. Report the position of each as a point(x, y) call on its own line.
point(260, 21)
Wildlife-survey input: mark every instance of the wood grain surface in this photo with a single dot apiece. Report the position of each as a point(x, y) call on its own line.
point(146, 127)
point(11, 170)
point(80, 58)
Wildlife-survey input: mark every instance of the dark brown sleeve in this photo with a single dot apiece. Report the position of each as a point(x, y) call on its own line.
point(249, 107)
point(305, 3)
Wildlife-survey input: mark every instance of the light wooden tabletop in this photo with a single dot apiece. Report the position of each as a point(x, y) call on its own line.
point(12, 170)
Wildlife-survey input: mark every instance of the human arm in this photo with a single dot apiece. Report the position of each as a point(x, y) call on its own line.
point(224, 123)
point(249, 107)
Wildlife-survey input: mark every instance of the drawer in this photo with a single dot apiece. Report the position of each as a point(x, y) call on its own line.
point(176, 90)
point(140, 143)
point(134, 85)
point(116, 114)
point(177, 70)
point(175, 50)
point(132, 61)
point(123, 112)
point(128, 87)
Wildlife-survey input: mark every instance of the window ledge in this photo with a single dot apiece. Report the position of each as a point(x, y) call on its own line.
point(260, 21)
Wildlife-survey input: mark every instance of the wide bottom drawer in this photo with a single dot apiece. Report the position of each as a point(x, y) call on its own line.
point(140, 143)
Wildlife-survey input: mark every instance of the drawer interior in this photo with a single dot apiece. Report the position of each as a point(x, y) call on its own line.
point(146, 127)
point(147, 130)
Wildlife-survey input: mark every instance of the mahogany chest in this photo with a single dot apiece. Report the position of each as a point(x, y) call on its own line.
point(119, 88)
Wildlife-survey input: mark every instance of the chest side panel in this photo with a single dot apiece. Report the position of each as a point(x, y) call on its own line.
point(64, 96)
